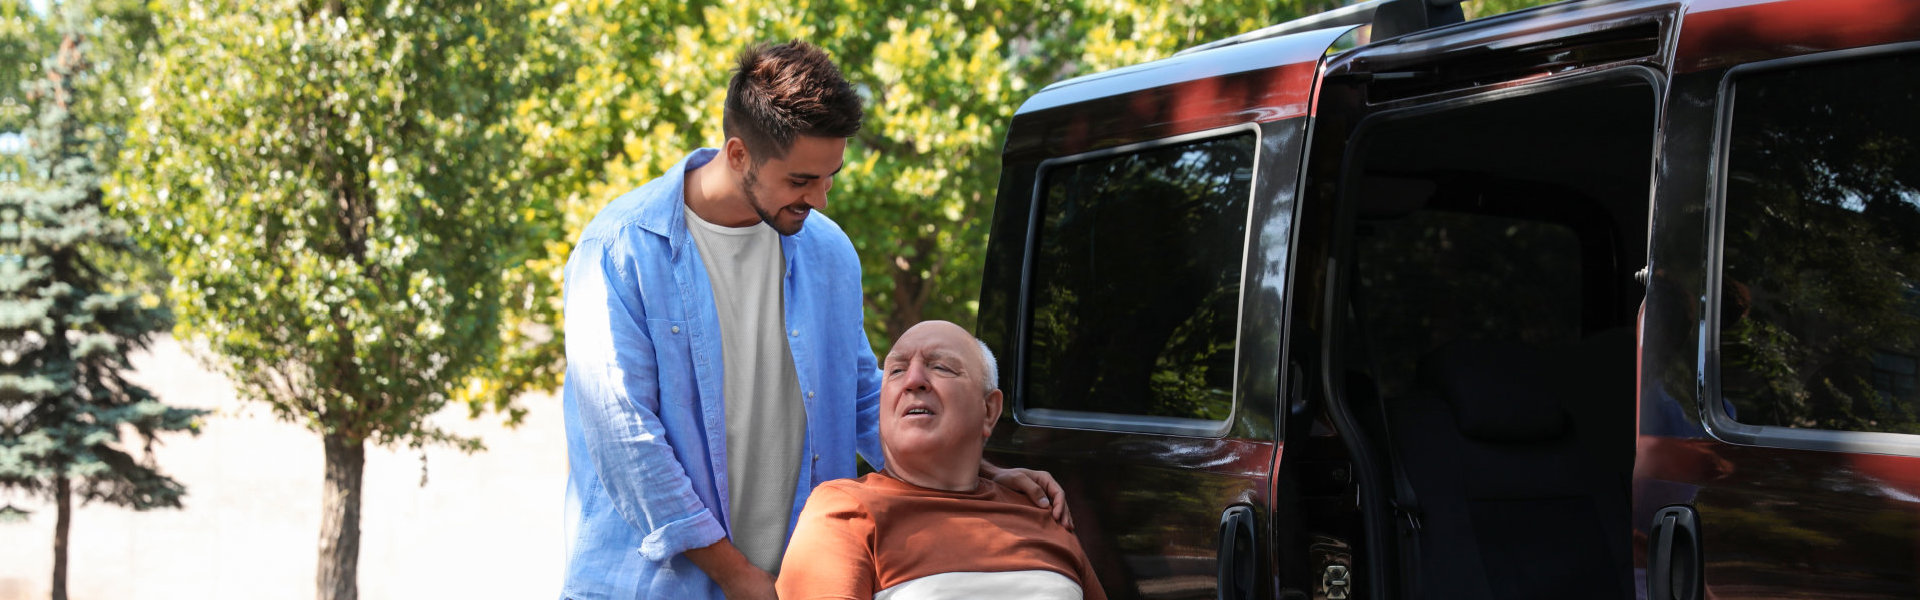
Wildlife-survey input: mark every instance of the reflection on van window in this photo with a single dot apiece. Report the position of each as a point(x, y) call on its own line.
point(1136, 281)
point(1820, 296)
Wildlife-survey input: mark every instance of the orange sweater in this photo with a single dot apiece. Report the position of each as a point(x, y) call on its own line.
point(857, 537)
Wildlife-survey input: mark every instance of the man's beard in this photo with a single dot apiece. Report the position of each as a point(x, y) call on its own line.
point(753, 200)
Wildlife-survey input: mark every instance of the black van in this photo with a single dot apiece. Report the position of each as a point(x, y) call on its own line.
point(1592, 300)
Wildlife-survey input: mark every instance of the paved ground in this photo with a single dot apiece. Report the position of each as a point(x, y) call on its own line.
point(484, 526)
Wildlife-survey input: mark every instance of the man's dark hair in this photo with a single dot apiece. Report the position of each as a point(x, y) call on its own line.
point(781, 92)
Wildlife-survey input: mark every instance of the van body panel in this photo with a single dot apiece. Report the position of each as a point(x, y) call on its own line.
point(1724, 33)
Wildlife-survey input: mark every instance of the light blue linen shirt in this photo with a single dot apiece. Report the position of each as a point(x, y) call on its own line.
point(645, 420)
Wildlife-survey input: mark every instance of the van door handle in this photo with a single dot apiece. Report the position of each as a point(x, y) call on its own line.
point(1238, 549)
point(1674, 566)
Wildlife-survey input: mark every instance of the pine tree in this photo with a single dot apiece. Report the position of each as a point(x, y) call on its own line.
point(68, 322)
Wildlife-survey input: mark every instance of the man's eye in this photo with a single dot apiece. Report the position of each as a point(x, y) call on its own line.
point(799, 183)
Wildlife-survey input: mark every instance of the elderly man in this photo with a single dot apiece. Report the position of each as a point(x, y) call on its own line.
point(927, 525)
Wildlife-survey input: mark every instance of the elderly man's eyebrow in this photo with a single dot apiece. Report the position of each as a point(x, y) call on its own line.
point(945, 355)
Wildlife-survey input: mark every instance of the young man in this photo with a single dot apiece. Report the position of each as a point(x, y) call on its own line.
point(928, 526)
point(717, 366)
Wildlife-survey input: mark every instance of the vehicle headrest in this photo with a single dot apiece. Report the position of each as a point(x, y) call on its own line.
point(1497, 391)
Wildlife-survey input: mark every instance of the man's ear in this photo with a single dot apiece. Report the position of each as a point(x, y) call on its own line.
point(735, 151)
point(993, 413)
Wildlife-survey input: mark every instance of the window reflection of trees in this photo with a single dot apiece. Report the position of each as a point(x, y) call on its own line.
point(1137, 279)
point(1820, 322)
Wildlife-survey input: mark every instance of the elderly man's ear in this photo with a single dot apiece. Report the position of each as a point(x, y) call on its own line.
point(993, 413)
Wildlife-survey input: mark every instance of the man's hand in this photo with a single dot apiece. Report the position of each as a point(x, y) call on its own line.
point(1039, 486)
point(738, 579)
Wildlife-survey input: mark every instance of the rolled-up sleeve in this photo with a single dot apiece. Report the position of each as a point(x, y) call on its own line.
point(612, 371)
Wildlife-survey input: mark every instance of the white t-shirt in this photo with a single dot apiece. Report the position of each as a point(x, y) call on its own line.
point(766, 417)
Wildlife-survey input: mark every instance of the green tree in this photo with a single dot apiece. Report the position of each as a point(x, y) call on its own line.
point(23, 42)
point(336, 185)
point(68, 318)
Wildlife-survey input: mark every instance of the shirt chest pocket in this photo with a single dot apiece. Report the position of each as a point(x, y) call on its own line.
point(673, 356)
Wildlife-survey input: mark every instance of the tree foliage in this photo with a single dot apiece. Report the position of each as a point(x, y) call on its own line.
point(334, 185)
point(337, 186)
point(24, 40)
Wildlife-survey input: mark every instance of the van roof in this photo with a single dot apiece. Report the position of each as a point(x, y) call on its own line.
point(1286, 43)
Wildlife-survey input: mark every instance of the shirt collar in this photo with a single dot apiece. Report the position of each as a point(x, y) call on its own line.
point(667, 215)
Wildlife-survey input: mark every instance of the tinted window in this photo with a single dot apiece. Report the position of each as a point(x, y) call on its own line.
point(1820, 294)
point(1136, 281)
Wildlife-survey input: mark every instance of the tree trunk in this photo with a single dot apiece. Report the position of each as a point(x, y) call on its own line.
point(62, 521)
point(910, 290)
point(340, 518)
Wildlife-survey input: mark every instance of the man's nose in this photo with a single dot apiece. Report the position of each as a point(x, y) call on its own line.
point(817, 196)
point(916, 377)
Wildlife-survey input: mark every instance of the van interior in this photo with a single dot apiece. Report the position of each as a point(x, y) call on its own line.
point(1491, 249)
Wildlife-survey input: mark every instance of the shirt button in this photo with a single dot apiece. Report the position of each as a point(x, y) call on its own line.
point(676, 329)
point(816, 458)
point(809, 394)
point(795, 333)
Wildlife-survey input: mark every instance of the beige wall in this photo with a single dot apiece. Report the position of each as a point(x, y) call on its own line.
point(484, 526)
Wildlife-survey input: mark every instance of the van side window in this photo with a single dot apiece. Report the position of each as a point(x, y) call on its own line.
point(1135, 283)
point(1820, 289)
